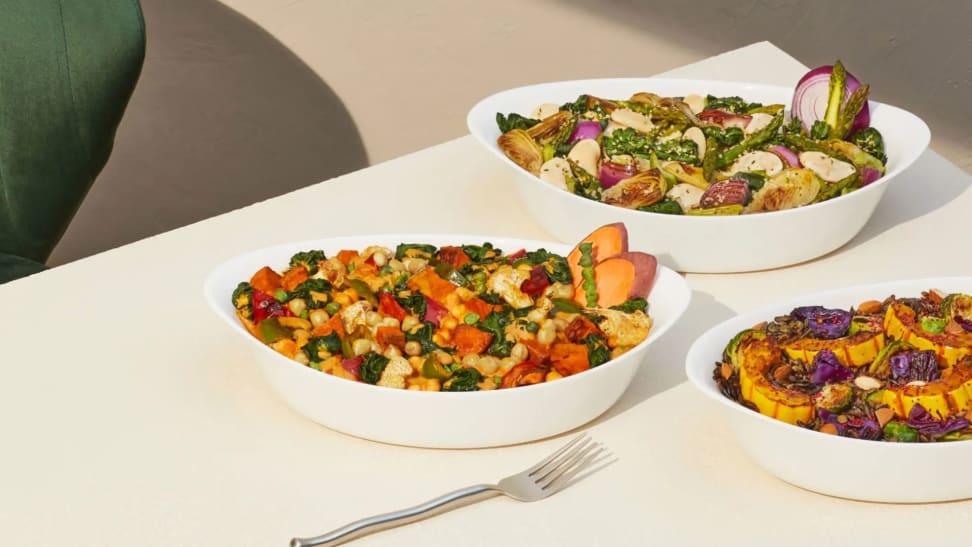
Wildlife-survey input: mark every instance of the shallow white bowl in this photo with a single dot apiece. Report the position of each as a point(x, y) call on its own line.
point(440, 419)
point(838, 466)
point(691, 243)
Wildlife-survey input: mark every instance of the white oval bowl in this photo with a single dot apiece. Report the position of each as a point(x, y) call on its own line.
point(838, 466)
point(439, 419)
point(711, 244)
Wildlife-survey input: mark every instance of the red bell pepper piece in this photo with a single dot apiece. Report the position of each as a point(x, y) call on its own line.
point(387, 305)
point(434, 312)
point(265, 306)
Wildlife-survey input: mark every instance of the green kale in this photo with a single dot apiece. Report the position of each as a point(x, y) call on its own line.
point(480, 254)
point(683, 150)
point(423, 335)
point(311, 285)
point(626, 141)
point(414, 303)
point(597, 350)
point(665, 207)
point(490, 297)
point(724, 137)
point(308, 259)
point(871, 141)
point(753, 179)
point(579, 106)
point(464, 379)
point(243, 299)
point(632, 305)
point(514, 121)
point(736, 105)
point(313, 347)
point(754, 140)
point(820, 130)
point(372, 367)
point(554, 265)
point(414, 249)
point(495, 323)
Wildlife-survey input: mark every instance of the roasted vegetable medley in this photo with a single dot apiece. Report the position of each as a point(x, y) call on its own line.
point(452, 318)
point(703, 155)
point(898, 370)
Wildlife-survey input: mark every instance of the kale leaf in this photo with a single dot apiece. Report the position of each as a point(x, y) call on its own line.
point(632, 305)
point(514, 121)
point(308, 259)
point(464, 379)
point(626, 141)
point(372, 367)
point(597, 349)
point(330, 342)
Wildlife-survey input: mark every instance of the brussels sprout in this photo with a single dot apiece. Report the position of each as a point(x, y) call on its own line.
point(856, 155)
point(934, 325)
point(871, 141)
point(898, 432)
point(522, 149)
point(686, 173)
point(834, 397)
point(957, 306)
point(644, 188)
point(865, 323)
point(731, 352)
point(554, 130)
point(788, 189)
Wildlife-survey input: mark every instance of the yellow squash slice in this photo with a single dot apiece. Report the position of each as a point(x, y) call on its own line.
point(854, 351)
point(950, 394)
point(756, 355)
point(900, 323)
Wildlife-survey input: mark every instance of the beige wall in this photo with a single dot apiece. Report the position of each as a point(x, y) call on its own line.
point(225, 115)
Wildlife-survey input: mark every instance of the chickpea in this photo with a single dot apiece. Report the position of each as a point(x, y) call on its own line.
point(372, 318)
point(319, 317)
point(391, 352)
point(547, 332)
point(413, 348)
point(519, 353)
point(297, 306)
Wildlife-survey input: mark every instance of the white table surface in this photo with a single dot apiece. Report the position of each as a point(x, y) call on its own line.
point(129, 414)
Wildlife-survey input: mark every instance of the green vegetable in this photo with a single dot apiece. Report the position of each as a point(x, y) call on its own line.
point(313, 347)
point(665, 206)
point(414, 303)
point(372, 367)
point(731, 351)
point(871, 141)
point(729, 155)
point(957, 305)
point(332, 307)
point(597, 350)
point(464, 379)
point(431, 368)
point(799, 143)
point(471, 318)
point(838, 83)
point(834, 397)
point(724, 137)
point(532, 327)
point(423, 335)
point(934, 325)
point(586, 262)
point(820, 130)
point(308, 259)
point(280, 295)
point(243, 299)
point(514, 121)
point(579, 106)
point(480, 254)
point(565, 305)
point(450, 274)
point(419, 250)
point(851, 108)
point(554, 265)
point(632, 305)
point(305, 289)
point(753, 179)
point(901, 433)
point(627, 141)
point(833, 189)
point(364, 291)
point(496, 324)
point(683, 150)
point(733, 209)
point(271, 330)
point(736, 105)
point(582, 183)
point(549, 151)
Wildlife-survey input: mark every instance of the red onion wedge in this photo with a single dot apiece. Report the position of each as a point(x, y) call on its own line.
point(788, 156)
point(869, 175)
point(585, 130)
point(612, 173)
point(811, 94)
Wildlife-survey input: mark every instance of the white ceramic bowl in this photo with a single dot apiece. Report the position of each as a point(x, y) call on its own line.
point(838, 466)
point(692, 243)
point(440, 419)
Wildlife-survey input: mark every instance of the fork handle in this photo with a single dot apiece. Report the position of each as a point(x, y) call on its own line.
point(385, 521)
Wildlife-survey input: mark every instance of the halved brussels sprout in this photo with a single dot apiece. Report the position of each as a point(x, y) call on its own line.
point(787, 189)
point(554, 130)
point(957, 305)
point(686, 173)
point(644, 188)
point(520, 147)
point(834, 397)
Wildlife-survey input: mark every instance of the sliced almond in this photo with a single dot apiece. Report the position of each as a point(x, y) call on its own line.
point(829, 429)
point(883, 415)
point(870, 306)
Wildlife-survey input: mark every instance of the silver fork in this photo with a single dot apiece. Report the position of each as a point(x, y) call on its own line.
point(544, 479)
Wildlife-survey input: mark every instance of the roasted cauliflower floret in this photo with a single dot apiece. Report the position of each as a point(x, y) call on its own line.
point(624, 330)
point(354, 315)
point(506, 282)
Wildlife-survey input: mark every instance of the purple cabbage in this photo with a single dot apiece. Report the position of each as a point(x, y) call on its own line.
point(926, 424)
point(909, 366)
point(823, 322)
point(828, 370)
point(965, 323)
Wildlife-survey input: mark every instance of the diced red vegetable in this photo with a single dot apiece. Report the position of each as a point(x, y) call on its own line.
point(265, 306)
point(387, 305)
point(537, 283)
point(434, 312)
point(516, 256)
point(353, 366)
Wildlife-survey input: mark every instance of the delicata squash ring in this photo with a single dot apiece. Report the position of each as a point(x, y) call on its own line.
point(898, 370)
point(453, 318)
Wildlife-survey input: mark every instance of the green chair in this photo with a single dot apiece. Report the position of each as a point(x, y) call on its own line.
point(67, 71)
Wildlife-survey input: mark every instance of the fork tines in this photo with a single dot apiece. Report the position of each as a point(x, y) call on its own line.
point(559, 468)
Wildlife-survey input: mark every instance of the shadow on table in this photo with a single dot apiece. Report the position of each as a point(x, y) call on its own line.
point(907, 198)
point(664, 365)
point(224, 115)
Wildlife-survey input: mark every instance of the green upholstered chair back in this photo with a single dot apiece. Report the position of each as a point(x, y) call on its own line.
point(67, 71)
